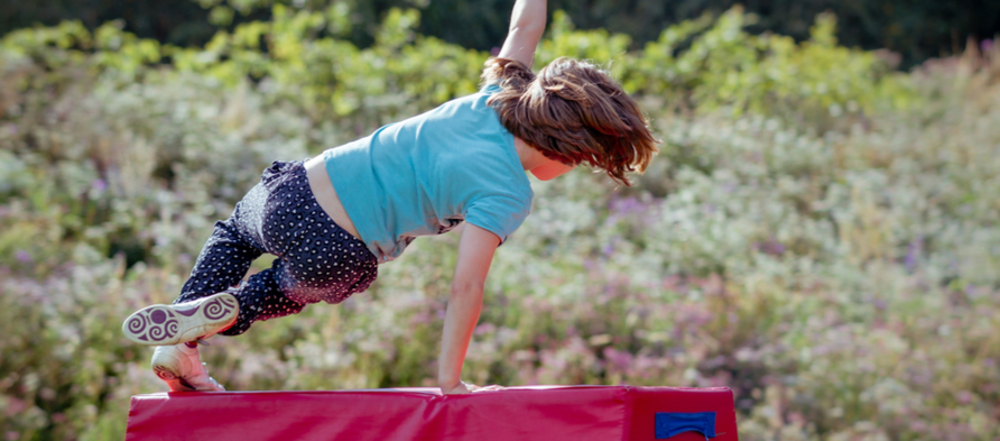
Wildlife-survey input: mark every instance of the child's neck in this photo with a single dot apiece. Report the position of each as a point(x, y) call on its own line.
point(530, 158)
point(534, 161)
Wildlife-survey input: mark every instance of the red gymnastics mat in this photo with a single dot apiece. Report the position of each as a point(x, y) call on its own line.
point(544, 413)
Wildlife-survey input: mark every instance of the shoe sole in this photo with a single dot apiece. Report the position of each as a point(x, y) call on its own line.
point(160, 325)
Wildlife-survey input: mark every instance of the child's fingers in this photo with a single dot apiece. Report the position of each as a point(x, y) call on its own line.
point(459, 389)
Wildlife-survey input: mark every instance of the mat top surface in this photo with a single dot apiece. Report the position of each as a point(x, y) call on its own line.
point(526, 413)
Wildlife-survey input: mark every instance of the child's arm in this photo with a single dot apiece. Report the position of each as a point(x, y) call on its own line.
point(527, 23)
point(475, 252)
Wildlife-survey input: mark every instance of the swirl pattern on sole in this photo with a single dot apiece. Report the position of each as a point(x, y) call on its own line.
point(167, 330)
point(154, 325)
point(159, 325)
point(217, 308)
point(136, 324)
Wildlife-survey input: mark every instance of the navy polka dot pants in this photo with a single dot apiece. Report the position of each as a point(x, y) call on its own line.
point(317, 260)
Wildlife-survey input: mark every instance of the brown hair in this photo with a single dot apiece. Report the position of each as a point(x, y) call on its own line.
point(572, 112)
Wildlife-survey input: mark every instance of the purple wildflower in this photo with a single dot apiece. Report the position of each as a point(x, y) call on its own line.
point(771, 247)
point(485, 328)
point(971, 292)
point(880, 304)
point(913, 252)
point(23, 256)
point(608, 249)
point(626, 206)
point(964, 396)
point(620, 360)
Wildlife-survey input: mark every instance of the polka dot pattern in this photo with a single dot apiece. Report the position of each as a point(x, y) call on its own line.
point(317, 260)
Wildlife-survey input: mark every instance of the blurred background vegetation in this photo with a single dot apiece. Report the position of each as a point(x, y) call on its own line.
point(819, 232)
point(915, 29)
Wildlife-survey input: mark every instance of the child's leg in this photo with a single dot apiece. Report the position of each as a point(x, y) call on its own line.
point(222, 263)
point(328, 265)
point(317, 260)
point(261, 298)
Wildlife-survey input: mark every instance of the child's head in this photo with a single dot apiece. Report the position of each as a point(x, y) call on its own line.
point(572, 112)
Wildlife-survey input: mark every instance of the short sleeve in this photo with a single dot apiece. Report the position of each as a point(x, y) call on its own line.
point(498, 214)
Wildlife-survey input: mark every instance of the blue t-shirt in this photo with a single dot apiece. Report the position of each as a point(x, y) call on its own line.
point(426, 174)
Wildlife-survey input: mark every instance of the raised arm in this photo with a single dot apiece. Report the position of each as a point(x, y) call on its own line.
point(527, 23)
point(475, 252)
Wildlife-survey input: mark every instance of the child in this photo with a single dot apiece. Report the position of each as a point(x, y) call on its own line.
point(334, 218)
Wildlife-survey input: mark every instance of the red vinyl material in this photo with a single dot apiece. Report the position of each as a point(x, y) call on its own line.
point(544, 413)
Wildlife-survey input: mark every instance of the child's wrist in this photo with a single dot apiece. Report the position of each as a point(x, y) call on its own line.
point(448, 383)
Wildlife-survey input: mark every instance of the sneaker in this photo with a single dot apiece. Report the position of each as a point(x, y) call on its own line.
point(182, 322)
point(182, 369)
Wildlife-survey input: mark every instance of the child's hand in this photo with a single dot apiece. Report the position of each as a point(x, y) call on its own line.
point(466, 388)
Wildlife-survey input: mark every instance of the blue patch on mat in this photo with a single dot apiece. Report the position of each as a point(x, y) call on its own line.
point(669, 424)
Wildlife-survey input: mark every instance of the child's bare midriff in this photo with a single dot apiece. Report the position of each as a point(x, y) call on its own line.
point(326, 195)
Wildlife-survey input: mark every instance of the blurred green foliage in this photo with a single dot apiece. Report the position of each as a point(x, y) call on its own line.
point(916, 29)
point(702, 64)
point(819, 233)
